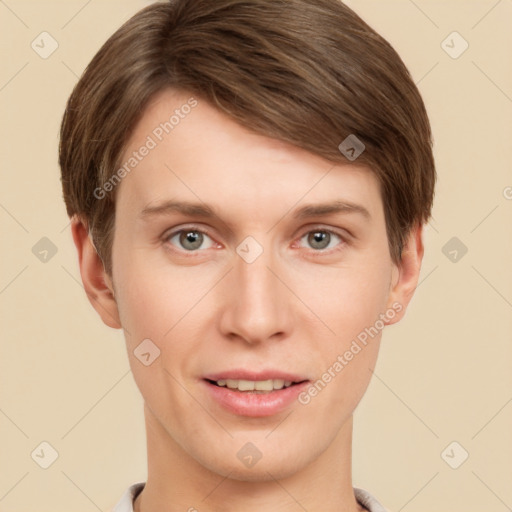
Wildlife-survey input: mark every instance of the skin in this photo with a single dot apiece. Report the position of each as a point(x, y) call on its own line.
point(295, 308)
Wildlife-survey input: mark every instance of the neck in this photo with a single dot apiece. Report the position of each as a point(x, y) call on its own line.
point(177, 482)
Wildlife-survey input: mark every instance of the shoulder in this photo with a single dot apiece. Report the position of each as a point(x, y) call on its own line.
point(125, 504)
point(365, 499)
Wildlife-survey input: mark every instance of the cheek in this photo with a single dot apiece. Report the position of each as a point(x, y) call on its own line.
point(350, 302)
point(158, 303)
point(348, 299)
point(358, 298)
point(152, 297)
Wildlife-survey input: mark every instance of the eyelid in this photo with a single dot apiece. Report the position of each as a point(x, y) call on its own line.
point(342, 233)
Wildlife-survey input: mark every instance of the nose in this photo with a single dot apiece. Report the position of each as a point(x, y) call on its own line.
point(257, 305)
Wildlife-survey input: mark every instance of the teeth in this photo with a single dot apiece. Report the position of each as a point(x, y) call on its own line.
point(252, 385)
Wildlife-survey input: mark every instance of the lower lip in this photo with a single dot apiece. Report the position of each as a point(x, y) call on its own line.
point(244, 403)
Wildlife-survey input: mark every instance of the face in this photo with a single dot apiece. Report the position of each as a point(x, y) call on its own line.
point(248, 264)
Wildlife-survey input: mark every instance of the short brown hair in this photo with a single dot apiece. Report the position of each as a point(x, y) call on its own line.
point(308, 72)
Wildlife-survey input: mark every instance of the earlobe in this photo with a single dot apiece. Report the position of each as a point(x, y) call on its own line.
point(406, 275)
point(97, 284)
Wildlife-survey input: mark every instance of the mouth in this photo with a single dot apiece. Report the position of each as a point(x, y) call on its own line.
point(252, 394)
point(254, 386)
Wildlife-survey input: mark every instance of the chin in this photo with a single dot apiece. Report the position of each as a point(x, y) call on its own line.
point(258, 473)
point(276, 465)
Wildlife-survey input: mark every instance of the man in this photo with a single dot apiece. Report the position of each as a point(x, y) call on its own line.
point(247, 182)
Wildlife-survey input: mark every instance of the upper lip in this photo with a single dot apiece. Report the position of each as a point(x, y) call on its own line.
point(255, 376)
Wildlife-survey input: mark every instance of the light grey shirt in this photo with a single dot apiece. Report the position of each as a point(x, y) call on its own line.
point(125, 504)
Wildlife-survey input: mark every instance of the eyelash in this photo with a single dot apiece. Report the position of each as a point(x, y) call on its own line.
point(196, 229)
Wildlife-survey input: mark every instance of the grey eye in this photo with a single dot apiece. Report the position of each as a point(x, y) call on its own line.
point(191, 240)
point(321, 239)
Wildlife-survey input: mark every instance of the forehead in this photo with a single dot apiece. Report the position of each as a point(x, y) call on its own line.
point(183, 145)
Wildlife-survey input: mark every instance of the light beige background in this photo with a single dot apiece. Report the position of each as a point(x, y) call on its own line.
point(444, 373)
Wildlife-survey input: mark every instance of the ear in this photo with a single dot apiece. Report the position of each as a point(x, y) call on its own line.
point(97, 284)
point(406, 274)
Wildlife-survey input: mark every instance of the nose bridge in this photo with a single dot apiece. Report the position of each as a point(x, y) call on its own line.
point(256, 309)
point(255, 283)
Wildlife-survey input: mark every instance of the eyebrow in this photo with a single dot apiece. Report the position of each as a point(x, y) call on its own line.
point(316, 210)
point(167, 207)
point(207, 211)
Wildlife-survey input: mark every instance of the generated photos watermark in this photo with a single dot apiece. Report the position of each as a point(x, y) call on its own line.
point(157, 135)
point(344, 359)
